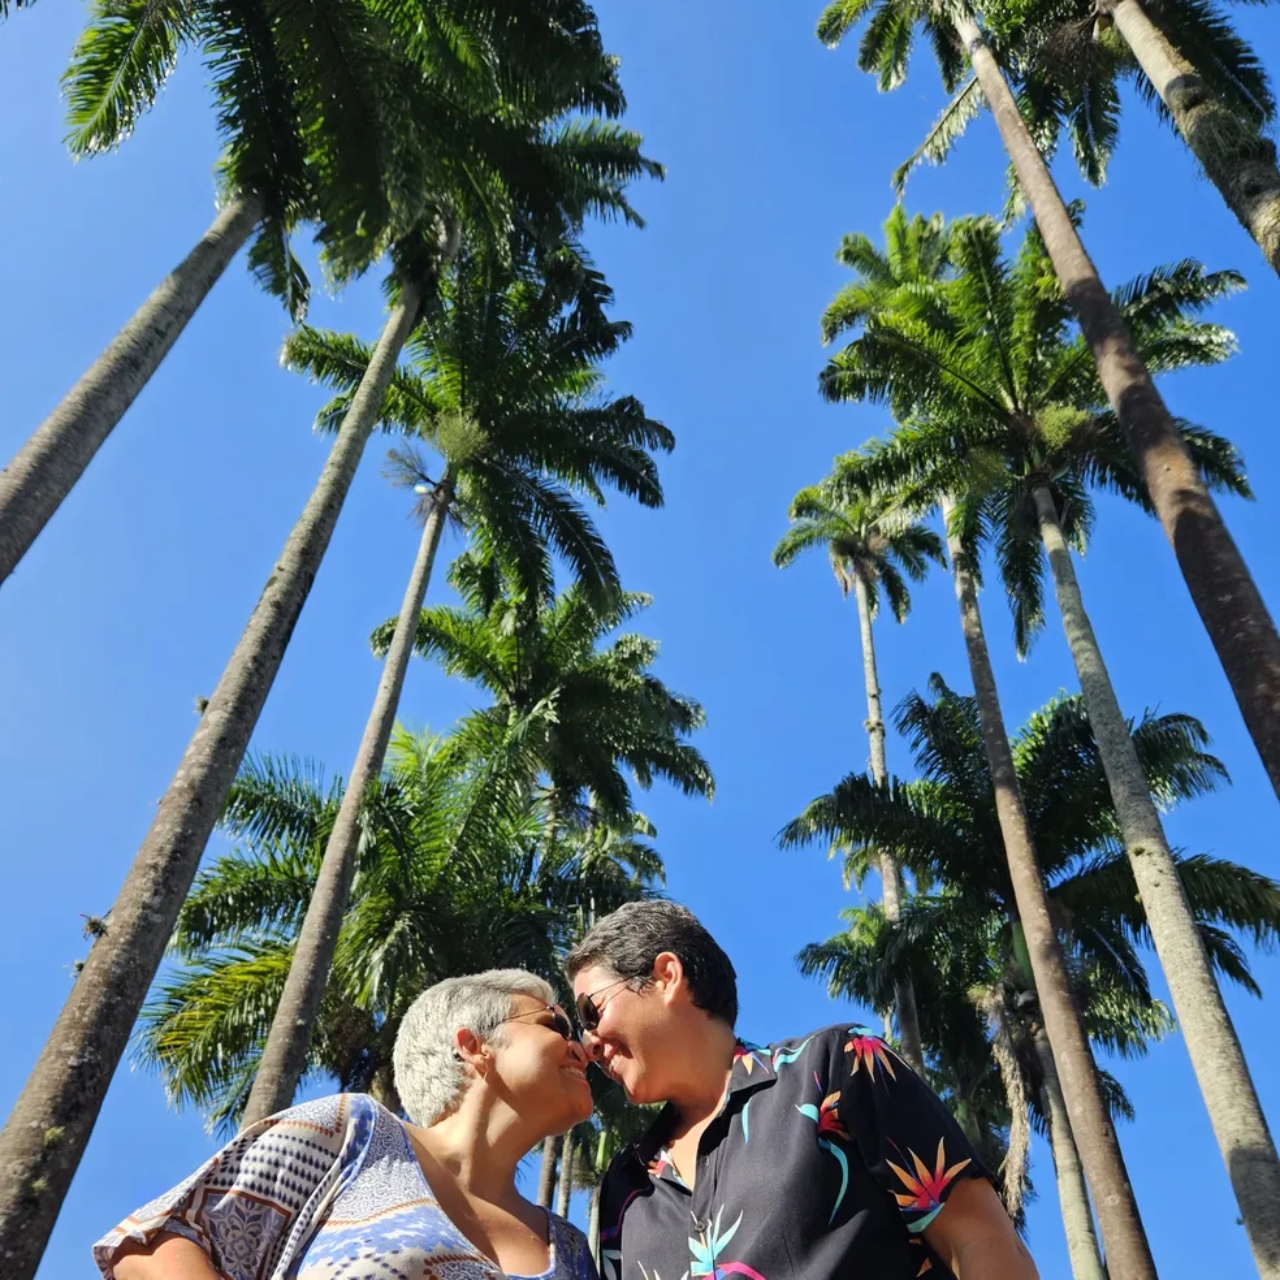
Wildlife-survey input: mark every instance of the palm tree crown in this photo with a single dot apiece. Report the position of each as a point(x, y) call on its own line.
point(998, 392)
point(881, 550)
point(588, 710)
point(503, 384)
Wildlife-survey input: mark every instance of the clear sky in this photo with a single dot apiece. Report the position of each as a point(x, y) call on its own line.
point(131, 601)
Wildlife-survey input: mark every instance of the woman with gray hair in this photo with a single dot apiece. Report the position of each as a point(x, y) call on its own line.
point(486, 1067)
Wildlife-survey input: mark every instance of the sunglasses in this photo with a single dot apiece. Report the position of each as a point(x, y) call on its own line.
point(559, 1023)
point(588, 1011)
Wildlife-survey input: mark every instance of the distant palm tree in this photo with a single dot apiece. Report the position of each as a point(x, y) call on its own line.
point(966, 939)
point(591, 713)
point(505, 388)
point(1225, 595)
point(1016, 432)
point(869, 548)
point(455, 875)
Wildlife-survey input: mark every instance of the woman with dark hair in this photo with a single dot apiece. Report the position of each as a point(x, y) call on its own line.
point(486, 1066)
point(819, 1156)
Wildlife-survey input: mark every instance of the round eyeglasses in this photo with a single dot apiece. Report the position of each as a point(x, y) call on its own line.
point(588, 1011)
point(559, 1023)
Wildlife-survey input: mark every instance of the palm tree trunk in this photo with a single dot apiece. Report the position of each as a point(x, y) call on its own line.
point(547, 1178)
point(48, 465)
point(1235, 155)
point(566, 1176)
point(49, 1127)
point(1216, 1056)
point(1073, 1195)
point(593, 1224)
point(1122, 1231)
point(890, 876)
point(1017, 1156)
point(284, 1058)
point(1216, 575)
point(382, 1088)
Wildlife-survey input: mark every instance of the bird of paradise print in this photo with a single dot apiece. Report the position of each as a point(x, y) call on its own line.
point(869, 1050)
point(706, 1252)
point(785, 1057)
point(827, 1117)
point(750, 1055)
point(923, 1198)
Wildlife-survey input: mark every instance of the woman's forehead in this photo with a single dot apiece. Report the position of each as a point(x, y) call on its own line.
point(592, 979)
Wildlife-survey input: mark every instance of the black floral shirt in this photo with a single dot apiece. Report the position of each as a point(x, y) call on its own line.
point(828, 1158)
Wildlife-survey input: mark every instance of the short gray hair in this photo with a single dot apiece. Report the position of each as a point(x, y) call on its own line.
point(430, 1077)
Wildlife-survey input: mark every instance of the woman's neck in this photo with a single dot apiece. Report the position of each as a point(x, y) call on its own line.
point(699, 1091)
point(478, 1151)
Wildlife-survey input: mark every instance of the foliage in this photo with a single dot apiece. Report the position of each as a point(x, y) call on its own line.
point(503, 385)
point(591, 713)
point(959, 941)
point(997, 392)
point(457, 873)
point(864, 541)
point(379, 124)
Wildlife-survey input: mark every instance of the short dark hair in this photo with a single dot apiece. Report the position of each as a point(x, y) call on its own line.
point(629, 940)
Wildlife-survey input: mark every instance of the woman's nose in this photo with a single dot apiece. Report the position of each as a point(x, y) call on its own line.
point(579, 1053)
point(591, 1046)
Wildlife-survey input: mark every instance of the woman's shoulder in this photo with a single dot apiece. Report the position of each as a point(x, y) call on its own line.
point(572, 1252)
point(340, 1124)
point(330, 1115)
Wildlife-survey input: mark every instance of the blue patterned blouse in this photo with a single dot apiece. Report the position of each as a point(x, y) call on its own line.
point(325, 1190)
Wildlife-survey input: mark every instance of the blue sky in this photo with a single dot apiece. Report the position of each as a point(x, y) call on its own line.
point(131, 601)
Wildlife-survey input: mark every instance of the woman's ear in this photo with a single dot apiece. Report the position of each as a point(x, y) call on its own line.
point(469, 1048)
point(668, 977)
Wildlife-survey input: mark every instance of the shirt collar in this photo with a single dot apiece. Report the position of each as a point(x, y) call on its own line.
point(752, 1067)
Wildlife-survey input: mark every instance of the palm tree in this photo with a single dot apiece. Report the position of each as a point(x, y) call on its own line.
point(1016, 429)
point(924, 297)
point(454, 876)
point(1222, 589)
point(559, 174)
point(963, 945)
point(1186, 59)
point(588, 711)
point(342, 124)
point(869, 549)
point(506, 389)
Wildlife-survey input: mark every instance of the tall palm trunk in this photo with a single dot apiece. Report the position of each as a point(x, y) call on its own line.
point(1236, 156)
point(1221, 1071)
point(1122, 1231)
point(1018, 1151)
point(890, 876)
point(1221, 587)
point(1073, 1195)
point(382, 1088)
point(50, 1124)
point(48, 465)
point(284, 1058)
point(566, 1176)
point(593, 1224)
point(547, 1177)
